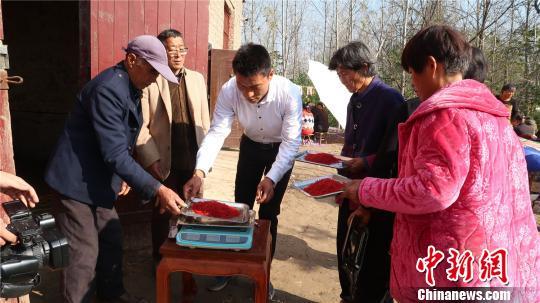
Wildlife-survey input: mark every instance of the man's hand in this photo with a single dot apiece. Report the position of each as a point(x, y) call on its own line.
point(124, 189)
point(17, 188)
point(193, 187)
point(350, 192)
point(363, 213)
point(6, 235)
point(169, 201)
point(265, 191)
point(155, 170)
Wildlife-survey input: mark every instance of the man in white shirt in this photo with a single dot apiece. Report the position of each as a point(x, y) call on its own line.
point(269, 108)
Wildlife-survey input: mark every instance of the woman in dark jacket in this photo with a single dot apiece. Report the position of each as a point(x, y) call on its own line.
point(368, 115)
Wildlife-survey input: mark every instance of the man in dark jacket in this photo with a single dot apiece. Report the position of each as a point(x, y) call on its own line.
point(507, 98)
point(92, 159)
point(321, 118)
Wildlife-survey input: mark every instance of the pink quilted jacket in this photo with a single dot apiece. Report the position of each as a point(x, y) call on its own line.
point(462, 184)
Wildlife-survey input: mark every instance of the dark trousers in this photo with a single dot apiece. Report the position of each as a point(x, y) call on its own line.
point(374, 278)
point(160, 222)
point(256, 159)
point(94, 235)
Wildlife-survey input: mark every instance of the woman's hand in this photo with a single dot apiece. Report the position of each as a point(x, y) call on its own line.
point(350, 192)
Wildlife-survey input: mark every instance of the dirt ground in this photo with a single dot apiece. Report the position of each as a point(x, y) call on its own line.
point(304, 268)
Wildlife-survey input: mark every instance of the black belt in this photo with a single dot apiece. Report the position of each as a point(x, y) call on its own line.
point(265, 146)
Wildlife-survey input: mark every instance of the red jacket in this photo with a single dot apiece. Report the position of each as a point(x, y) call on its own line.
point(462, 184)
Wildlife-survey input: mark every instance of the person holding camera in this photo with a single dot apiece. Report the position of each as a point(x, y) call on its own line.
point(16, 188)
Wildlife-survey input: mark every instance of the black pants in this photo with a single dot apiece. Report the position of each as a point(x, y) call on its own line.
point(256, 159)
point(374, 278)
point(160, 222)
point(94, 235)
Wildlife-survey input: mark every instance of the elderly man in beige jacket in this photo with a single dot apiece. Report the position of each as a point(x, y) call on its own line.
point(176, 119)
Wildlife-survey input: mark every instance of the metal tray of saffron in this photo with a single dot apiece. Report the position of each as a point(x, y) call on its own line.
point(300, 185)
point(301, 156)
point(188, 216)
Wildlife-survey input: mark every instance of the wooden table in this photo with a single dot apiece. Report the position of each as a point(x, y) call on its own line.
point(253, 263)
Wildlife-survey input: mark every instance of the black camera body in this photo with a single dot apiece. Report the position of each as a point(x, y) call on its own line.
point(39, 244)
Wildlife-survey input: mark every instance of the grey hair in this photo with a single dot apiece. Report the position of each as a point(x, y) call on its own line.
point(354, 56)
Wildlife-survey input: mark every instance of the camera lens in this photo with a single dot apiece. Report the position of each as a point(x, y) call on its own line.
point(46, 221)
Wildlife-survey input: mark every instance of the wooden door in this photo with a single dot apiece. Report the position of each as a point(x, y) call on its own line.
point(220, 72)
point(111, 24)
point(6, 146)
point(7, 163)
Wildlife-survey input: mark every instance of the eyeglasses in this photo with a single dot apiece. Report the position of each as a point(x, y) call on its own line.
point(181, 51)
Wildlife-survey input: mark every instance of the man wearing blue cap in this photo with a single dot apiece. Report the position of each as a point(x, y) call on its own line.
point(91, 162)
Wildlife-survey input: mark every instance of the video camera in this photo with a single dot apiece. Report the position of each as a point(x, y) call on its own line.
point(39, 244)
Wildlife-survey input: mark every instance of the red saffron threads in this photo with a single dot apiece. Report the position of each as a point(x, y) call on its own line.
point(323, 187)
point(322, 158)
point(215, 209)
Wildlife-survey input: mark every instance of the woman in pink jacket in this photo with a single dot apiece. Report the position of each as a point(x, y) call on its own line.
point(462, 185)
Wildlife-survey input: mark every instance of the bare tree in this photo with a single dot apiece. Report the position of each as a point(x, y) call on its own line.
point(404, 41)
point(297, 30)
